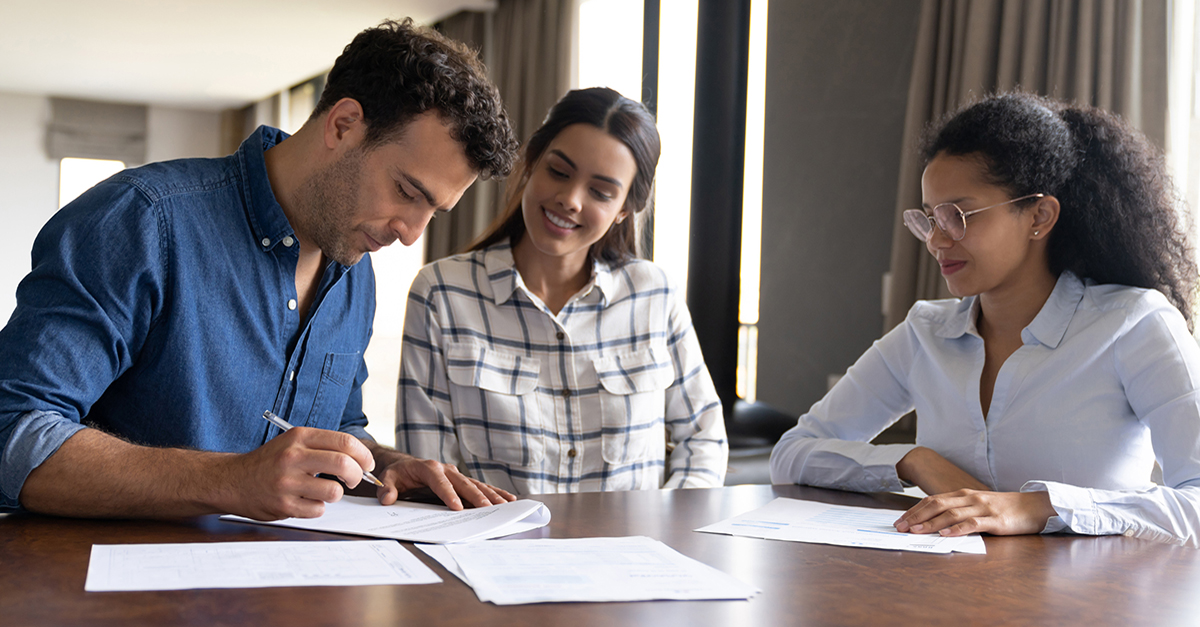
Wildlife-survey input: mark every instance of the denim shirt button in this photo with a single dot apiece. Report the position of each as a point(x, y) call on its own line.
point(266, 242)
point(292, 304)
point(288, 241)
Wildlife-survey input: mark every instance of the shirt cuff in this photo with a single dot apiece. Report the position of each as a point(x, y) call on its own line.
point(1074, 506)
point(36, 436)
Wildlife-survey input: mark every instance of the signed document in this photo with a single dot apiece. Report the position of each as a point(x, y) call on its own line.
point(808, 521)
point(419, 522)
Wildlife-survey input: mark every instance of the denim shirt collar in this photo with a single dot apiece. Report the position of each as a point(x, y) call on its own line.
point(502, 273)
point(1047, 328)
point(267, 220)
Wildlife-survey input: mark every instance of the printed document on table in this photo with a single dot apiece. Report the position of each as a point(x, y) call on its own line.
point(820, 523)
point(419, 522)
point(552, 570)
point(125, 567)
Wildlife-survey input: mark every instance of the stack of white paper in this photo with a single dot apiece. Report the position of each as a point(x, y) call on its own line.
point(512, 572)
point(821, 523)
point(121, 567)
point(419, 522)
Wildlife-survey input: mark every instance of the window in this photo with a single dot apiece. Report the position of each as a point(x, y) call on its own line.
point(752, 190)
point(76, 176)
point(610, 54)
point(1183, 104)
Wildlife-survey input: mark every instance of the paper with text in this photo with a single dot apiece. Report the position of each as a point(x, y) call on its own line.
point(126, 567)
point(820, 523)
point(419, 522)
point(550, 570)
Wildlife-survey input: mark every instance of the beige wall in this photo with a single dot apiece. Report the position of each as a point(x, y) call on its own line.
point(29, 179)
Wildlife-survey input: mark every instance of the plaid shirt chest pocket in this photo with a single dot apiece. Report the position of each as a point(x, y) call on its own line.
point(496, 412)
point(632, 403)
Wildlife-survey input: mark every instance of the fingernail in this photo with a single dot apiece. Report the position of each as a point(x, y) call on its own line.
point(900, 525)
point(918, 527)
point(945, 532)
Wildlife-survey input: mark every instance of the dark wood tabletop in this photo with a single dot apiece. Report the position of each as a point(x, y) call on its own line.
point(1026, 580)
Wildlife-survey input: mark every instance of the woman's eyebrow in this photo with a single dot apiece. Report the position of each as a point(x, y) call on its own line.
point(607, 179)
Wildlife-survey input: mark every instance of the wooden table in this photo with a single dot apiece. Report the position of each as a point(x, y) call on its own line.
point(1030, 580)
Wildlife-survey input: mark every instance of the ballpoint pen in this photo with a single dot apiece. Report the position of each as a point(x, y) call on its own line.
point(286, 426)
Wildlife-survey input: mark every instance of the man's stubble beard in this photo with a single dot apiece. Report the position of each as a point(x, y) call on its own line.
point(328, 202)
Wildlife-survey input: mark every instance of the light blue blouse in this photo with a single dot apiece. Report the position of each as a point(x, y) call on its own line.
point(1106, 383)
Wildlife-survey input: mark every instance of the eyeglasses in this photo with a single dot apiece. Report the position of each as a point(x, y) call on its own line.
point(949, 218)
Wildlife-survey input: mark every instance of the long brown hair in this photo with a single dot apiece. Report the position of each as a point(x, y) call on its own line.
point(626, 120)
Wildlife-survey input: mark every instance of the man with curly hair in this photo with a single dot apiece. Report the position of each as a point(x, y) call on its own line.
point(171, 305)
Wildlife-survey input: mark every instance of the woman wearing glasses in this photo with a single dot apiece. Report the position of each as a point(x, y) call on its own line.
point(550, 358)
point(1045, 394)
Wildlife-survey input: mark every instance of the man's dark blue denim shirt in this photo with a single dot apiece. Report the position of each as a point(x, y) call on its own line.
point(161, 307)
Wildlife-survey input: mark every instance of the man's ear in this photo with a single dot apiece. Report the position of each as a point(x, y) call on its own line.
point(344, 122)
point(1045, 216)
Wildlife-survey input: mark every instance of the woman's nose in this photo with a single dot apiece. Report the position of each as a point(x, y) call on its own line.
point(571, 197)
point(937, 239)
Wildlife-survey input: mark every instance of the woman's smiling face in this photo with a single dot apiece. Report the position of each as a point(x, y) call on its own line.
point(576, 191)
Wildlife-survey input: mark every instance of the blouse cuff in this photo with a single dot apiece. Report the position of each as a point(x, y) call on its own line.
point(1074, 505)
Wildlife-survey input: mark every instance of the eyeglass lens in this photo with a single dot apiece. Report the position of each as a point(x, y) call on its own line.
point(948, 216)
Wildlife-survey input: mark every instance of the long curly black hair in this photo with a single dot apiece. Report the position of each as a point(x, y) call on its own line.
point(399, 70)
point(1119, 220)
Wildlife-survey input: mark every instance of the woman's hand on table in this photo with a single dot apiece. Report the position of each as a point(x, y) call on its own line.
point(968, 511)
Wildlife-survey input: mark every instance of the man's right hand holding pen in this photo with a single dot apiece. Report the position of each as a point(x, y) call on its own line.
point(281, 476)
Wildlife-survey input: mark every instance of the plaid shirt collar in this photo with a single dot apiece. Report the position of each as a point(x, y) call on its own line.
point(504, 279)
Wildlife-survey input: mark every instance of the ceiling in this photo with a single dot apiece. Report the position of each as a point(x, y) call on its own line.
point(200, 54)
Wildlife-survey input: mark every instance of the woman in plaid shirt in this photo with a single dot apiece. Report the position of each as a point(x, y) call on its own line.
point(549, 358)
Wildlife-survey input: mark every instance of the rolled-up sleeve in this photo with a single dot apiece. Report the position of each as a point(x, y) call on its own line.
point(82, 315)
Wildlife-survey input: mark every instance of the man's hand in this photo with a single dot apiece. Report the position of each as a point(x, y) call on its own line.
point(278, 479)
point(403, 472)
point(972, 511)
point(933, 473)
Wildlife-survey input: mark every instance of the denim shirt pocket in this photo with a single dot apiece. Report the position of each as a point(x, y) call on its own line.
point(333, 390)
point(494, 395)
point(632, 404)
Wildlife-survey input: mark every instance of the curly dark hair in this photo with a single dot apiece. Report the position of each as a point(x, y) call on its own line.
point(625, 119)
point(398, 70)
point(1118, 221)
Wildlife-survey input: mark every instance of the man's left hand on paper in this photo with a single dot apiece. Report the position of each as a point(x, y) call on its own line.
point(402, 473)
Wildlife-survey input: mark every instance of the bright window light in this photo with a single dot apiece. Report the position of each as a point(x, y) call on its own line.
point(76, 176)
point(752, 191)
point(676, 95)
point(752, 179)
point(1180, 91)
point(610, 45)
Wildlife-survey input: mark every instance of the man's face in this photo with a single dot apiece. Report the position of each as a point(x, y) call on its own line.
point(368, 198)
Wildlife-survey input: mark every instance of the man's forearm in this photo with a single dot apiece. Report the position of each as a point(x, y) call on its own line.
point(96, 475)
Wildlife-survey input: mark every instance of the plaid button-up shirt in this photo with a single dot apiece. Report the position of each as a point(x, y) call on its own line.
point(492, 381)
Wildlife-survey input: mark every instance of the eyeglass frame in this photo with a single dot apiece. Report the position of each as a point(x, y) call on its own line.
point(962, 215)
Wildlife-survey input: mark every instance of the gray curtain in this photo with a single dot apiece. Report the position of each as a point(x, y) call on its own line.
point(1107, 53)
point(526, 47)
